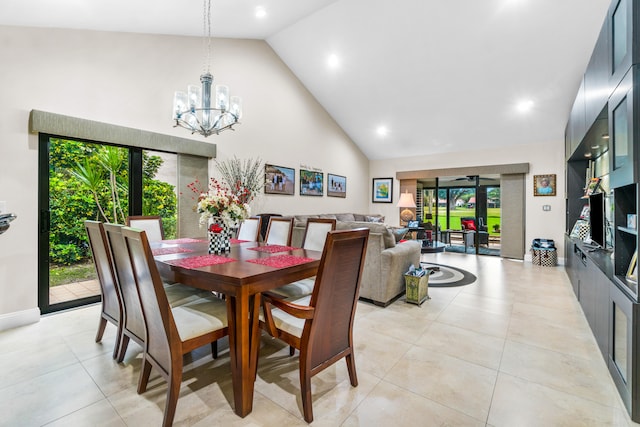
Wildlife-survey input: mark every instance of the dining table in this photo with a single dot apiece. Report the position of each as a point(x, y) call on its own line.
point(240, 275)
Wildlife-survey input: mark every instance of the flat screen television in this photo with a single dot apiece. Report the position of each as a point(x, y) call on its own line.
point(597, 221)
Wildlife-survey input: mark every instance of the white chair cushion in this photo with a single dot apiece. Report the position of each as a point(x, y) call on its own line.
point(199, 317)
point(316, 235)
point(248, 230)
point(150, 226)
point(296, 290)
point(178, 294)
point(287, 322)
point(278, 233)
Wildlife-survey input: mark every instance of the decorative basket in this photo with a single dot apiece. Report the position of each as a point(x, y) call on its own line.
point(544, 257)
point(417, 288)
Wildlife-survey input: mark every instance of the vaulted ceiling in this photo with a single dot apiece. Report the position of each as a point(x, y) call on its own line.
point(408, 77)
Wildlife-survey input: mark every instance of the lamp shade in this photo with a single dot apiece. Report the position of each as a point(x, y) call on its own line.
point(406, 201)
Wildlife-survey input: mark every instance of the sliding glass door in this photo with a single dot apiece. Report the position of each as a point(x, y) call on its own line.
point(87, 180)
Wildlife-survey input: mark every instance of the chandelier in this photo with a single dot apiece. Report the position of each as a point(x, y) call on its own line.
point(195, 109)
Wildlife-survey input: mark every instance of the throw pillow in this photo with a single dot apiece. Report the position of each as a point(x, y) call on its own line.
point(468, 224)
point(377, 219)
point(398, 233)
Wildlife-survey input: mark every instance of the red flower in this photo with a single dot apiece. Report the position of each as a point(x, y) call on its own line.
point(215, 228)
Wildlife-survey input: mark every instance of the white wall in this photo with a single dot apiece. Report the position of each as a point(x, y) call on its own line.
point(129, 80)
point(543, 159)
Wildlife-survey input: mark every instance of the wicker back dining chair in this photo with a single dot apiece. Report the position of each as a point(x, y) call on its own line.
point(321, 325)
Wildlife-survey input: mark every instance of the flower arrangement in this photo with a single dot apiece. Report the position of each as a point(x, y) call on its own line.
point(219, 201)
point(229, 198)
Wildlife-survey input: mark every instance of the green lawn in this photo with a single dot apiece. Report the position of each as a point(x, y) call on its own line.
point(65, 274)
point(493, 217)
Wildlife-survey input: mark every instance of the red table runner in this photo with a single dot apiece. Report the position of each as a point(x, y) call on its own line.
point(200, 261)
point(185, 240)
point(238, 241)
point(280, 261)
point(167, 251)
point(272, 249)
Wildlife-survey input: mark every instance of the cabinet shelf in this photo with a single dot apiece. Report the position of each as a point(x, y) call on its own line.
point(628, 230)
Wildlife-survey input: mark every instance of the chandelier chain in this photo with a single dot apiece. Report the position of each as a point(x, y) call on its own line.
point(206, 31)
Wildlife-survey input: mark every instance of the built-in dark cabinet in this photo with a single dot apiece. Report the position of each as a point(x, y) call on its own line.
point(604, 129)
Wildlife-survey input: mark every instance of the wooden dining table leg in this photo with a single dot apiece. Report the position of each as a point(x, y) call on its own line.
point(240, 314)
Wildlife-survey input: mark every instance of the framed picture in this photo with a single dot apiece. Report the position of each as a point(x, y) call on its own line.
point(544, 185)
point(336, 185)
point(279, 180)
point(592, 187)
point(311, 183)
point(382, 190)
point(632, 271)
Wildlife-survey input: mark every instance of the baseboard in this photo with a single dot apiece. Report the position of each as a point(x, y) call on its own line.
point(19, 318)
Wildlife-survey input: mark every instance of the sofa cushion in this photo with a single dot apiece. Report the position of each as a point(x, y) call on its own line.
point(345, 217)
point(301, 220)
point(359, 217)
point(328, 216)
point(387, 237)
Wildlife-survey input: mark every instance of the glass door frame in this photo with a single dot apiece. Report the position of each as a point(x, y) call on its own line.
point(44, 218)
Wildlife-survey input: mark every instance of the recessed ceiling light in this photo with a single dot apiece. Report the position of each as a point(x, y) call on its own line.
point(524, 106)
point(382, 131)
point(333, 61)
point(605, 136)
point(595, 147)
point(261, 12)
point(587, 155)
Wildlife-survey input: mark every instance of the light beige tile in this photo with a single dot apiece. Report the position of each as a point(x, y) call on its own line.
point(581, 377)
point(518, 402)
point(476, 320)
point(48, 397)
point(99, 414)
point(450, 381)
point(389, 405)
point(474, 347)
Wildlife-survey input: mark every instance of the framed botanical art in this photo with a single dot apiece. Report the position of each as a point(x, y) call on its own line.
point(336, 185)
point(544, 185)
point(382, 190)
point(311, 183)
point(279, 180)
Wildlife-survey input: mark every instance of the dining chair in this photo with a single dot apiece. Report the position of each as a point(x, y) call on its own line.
point(321, 325)
point(315, 233)
point(170, 332)
point(133, 322)
point(314, 238)
point(152, 224)
point(279, 231)
point(250, 229)
point(111, 310)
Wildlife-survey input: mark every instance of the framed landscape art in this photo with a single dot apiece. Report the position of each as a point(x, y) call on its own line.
point(336, 185)
point(311, 183)
point(279, 180)
point(382, 190)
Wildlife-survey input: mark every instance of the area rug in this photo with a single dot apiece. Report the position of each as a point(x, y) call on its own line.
point(445, 275)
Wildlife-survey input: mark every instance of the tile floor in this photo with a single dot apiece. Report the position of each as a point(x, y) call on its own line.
point(512, 349)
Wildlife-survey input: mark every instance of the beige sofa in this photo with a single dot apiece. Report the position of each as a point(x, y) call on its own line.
point(386, 261)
